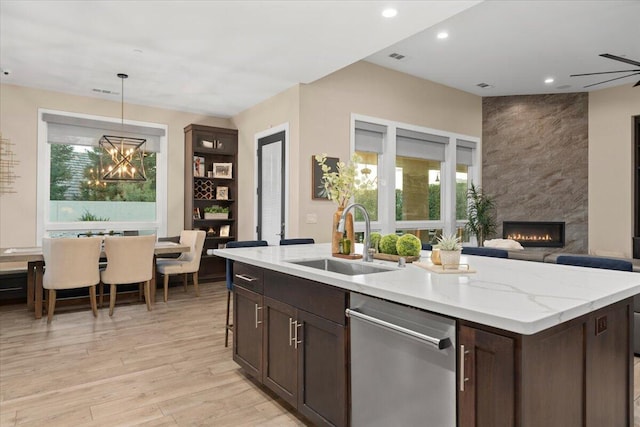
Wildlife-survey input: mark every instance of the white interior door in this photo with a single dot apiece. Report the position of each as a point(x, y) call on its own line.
point(271, 180)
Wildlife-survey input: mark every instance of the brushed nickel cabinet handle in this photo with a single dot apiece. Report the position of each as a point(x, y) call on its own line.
point(257, 321)
point(463, 379)
point(246, 278)
point(291, 339)
point(295, 336)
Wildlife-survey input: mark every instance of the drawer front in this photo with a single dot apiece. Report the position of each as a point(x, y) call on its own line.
point(248, 277)
point(316, 298)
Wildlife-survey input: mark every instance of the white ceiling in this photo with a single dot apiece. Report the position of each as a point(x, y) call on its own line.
point(513, 46)
point(211, 57)
point(221, 57)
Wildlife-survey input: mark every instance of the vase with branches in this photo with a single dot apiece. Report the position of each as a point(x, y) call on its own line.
point(340, 186)
point(480, 214)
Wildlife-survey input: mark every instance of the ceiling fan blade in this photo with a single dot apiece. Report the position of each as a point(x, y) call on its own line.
point(603, 72)
point(619, 58)
point(617, 78)
point(637, 84)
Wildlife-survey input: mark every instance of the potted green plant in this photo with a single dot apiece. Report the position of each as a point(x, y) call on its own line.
point(480, 214)
point(216, 212)
point(450, 250)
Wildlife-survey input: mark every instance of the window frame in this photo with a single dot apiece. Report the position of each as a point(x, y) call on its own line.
point(386, 177)
point(45, 226)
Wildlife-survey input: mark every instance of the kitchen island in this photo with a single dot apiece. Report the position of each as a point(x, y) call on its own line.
point(544, 344)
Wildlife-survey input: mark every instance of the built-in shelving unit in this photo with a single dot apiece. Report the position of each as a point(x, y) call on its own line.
point(210, 171)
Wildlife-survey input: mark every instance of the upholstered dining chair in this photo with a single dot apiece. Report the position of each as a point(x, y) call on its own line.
point(187, 262)
point(71, 263)
point(129, 260)
point(229, 275)
point(297, 241)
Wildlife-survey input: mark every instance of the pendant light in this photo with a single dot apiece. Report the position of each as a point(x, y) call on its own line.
point(122, 157)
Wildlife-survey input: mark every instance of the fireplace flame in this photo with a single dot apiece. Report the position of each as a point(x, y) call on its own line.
point(529, 237)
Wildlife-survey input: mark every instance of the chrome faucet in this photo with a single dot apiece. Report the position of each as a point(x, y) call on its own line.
point(366, 254)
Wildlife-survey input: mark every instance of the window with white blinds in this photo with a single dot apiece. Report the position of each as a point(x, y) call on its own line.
point(71, 195)
point(420, 176)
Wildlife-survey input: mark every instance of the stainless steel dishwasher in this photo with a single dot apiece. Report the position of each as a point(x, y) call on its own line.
point(403, 363)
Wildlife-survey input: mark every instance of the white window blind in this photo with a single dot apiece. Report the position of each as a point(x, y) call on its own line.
point(369, 137)
point(464, 152)
point(420, 145)
point(70, 130)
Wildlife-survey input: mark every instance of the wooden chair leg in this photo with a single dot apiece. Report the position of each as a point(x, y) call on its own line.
point(92, 298)
point(195, 283)
point(52, 305)
point(112, 298)
point(166, 287)
point(147, 295)
point(184, 281)
point(101, 290)
point(227, 326)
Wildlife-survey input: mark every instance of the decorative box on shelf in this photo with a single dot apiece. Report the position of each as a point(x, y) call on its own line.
point(216, 215)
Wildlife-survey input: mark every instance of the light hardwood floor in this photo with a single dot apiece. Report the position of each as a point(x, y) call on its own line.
point(168, 367)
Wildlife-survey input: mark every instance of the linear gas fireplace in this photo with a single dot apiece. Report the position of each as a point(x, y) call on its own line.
point(535, 233)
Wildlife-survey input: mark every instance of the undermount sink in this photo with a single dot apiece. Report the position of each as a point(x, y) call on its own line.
point(342, 267)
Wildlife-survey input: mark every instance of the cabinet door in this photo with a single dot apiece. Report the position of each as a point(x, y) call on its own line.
point(280, 370)
point(322, 370)
point(486, 395)
point(247, 330)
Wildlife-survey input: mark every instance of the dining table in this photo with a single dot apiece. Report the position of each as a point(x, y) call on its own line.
point(34, 258)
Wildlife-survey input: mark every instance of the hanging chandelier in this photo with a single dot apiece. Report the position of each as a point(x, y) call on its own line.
point(122, 157)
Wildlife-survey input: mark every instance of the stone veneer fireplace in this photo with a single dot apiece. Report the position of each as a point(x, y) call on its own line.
point(540, 234)
point(535, 162)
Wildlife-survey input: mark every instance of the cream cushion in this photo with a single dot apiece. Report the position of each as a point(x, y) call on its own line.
point(188, 262)
point(129, 260)
point(71, 262)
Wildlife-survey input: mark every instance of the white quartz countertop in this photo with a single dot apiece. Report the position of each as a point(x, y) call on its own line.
point(519, 296)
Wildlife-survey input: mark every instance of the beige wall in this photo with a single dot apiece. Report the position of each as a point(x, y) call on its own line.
point(364, 88)
point(319, 115)
point(283, 108)
point(18, 122)
point(611, 114)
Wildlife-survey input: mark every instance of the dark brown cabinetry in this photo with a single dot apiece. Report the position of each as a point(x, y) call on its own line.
point(575, 374)
point(303, 348)
point(486, 377)
point(210, 170)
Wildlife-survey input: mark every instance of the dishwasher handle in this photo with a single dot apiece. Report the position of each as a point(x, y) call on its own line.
point(439, 343)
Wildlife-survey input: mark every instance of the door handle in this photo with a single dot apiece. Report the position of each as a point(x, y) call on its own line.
point(439, 343)
point(256, 313)
point(295, 335)
point(291, 339)
point(463, 378)
point(245, 278)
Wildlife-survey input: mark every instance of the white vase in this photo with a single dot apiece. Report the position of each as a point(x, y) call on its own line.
point(450, 259)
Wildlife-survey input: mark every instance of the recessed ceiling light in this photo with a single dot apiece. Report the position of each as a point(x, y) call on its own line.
point(443, 35)
point(549, 80)
point(389, 12)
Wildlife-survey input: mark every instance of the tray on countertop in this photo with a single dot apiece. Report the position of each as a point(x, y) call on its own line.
point(352, 256)
point(441, 270)
point(395, 258)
